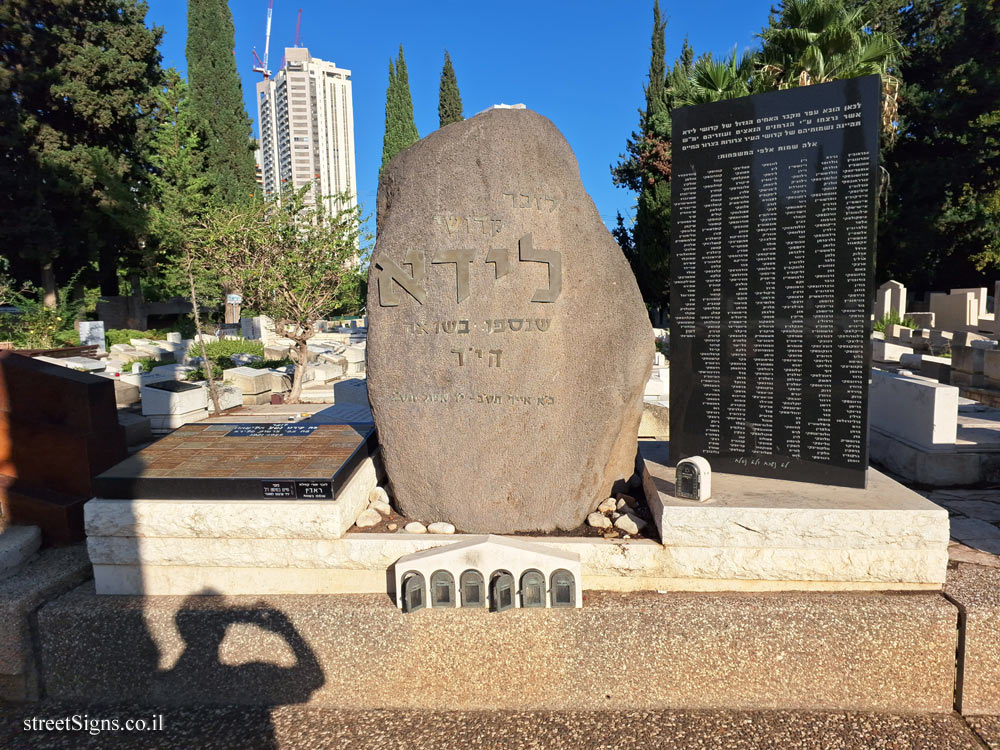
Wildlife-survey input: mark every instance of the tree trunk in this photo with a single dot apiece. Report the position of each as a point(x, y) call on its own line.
point(135, 281)
point(301, 355)
point(206, 364)
point(107, 271)
point(50, 298)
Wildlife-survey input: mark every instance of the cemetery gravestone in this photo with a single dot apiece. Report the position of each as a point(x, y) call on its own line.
point(58, 429)
point(92, 334)
point(773, 235)
point(890, 300)
point(508, 346)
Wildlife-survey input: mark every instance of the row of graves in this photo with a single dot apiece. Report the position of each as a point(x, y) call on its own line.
point(158, 399)
point(510, 363)
point(936, 387)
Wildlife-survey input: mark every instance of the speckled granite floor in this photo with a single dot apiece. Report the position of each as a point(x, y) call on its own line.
point(297, 728)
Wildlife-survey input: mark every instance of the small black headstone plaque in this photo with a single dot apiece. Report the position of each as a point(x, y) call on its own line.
point(278, 489)
point(174, 386)
point(687, 482)
point(314, 490)
point(772, 241)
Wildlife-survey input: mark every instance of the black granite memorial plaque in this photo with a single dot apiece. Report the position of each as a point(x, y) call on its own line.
point(243, 462)
point(772, 243)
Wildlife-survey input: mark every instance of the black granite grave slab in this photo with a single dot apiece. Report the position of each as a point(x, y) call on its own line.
point(773, 236)
point(242, 462)
point(174, 386)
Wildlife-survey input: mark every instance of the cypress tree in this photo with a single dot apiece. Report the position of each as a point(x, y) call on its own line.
point(389, 148)
point(217, 101)
point(655, 89)
point(407, 127)
point(449, 99)
point(400, 129)
point(645, 169)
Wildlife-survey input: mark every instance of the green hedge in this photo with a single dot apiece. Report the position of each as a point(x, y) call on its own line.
point(125, 335)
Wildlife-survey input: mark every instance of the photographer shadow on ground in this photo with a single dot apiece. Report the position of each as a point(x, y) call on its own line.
point(209, 673)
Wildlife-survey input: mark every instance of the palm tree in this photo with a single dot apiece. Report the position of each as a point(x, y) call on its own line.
point(712, 80)
point(815, 41)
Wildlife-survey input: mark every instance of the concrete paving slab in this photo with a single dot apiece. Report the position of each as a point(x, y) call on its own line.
point(988, 729)
point(965, 529)
point(976, 590)
point(958, 552)
point(979, 509)
point(304, 728)
point(51, 573)
point(866, 652)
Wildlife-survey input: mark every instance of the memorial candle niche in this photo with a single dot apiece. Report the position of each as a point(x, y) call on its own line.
point(773, 236)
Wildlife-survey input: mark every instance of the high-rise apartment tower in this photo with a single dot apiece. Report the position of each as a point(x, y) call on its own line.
point(306, 119)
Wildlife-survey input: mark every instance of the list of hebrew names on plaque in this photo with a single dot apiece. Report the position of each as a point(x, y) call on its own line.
point(773, 233)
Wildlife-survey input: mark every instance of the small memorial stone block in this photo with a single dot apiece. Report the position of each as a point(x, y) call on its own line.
point(694, 479)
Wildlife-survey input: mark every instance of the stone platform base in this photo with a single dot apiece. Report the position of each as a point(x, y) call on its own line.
point(767, 529)
point(638, 651)
point(778, 536)
point(956, 467)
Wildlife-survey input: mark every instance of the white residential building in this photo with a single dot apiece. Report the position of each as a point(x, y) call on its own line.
point(306, 119)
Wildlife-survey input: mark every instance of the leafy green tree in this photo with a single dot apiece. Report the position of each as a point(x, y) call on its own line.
point(180, 186)
point(400, 129)
point(449, 99)
point(294, 263)
point(217, 101)
point(77, 84)
point(645, 170)
point(943, 228)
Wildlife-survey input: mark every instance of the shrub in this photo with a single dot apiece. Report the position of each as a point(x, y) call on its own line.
point(225, 363)
point(228, 347)
point(125, 335)
point(893, 319)
point(37, 326)
point(148, 363)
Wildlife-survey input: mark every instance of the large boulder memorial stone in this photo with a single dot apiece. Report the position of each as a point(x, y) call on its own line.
point(508, 345)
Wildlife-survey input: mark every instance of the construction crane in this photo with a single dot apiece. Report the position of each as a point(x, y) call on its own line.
point(261, 66)
point(298, 29)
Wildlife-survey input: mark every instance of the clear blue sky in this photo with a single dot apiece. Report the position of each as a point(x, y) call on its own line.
point(582, 64)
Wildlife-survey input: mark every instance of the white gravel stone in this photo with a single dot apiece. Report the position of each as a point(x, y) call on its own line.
point(598, 521)
point(378, 495)
point(627, 524)
point(384, 508)
point(608, 505)
point(440, 527)
point(630, 501)
point(368, 518)
point(615, 516)
point(415, 527)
